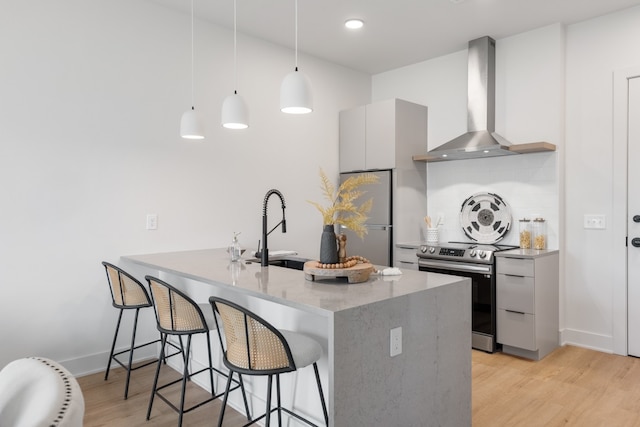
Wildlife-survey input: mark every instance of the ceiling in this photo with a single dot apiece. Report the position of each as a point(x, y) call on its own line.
point(396, 32)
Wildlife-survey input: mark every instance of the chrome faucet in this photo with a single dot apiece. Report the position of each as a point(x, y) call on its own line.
point(264, 255)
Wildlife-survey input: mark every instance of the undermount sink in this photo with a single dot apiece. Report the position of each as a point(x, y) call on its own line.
point(294, 263)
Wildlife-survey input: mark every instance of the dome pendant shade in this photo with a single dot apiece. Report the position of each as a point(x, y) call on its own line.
point(295, 94)
point(235, 114)
point(190, 127)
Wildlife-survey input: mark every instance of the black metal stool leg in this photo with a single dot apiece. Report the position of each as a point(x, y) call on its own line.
point(113, 346)
point(164, 356)
point(155, 380)
point(133, 344)
point(324, 405)
point(213, 391)
point(224, 400)
point(184, 355)
point(279, 401)
point(244, 396)
point(185, 378)
point(268, 414)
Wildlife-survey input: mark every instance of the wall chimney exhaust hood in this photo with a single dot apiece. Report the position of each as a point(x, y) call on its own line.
point(480, 140)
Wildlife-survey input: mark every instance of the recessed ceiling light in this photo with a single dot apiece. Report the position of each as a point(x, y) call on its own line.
point(354, 24)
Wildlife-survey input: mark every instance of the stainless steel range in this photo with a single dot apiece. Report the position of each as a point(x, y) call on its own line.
point(476, 261)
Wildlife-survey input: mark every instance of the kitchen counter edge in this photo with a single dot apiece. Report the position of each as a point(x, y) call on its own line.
point(526, 253)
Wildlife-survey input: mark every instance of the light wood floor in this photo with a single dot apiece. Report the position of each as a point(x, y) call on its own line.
point(105, 404)
point(570, 387)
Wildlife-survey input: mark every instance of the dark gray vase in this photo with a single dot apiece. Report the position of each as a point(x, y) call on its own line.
point(328, 245)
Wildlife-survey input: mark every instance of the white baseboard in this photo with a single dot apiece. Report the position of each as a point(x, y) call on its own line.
point(598, 342)
point(94, 363)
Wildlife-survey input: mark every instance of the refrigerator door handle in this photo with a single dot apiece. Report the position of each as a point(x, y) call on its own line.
point(378, 227)
point(372, 227)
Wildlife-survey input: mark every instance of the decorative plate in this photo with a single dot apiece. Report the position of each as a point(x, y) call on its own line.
point(485, 217)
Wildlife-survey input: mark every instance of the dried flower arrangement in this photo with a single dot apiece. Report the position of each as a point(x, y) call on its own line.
point(342, 209)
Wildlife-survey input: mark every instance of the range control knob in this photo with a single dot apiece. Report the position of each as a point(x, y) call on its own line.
point(482, 254)
point(432, 250)
point(472, 254)
point(423, 249)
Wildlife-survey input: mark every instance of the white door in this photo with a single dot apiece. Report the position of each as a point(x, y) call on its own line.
point(633, 219)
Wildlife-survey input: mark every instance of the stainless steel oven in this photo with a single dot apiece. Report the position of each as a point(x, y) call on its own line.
point(477, 262)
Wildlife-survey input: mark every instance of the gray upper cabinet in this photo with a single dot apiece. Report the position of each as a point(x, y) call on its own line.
point(352, 139)
point(384, 135)
point(375, 136)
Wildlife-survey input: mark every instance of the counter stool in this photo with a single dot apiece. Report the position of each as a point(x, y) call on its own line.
point(252, 346)
point(127, 293)
point(177, 314)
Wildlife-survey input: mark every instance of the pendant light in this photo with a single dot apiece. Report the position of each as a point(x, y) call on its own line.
point(234, 111)
point(190, 126)
point(295, 91)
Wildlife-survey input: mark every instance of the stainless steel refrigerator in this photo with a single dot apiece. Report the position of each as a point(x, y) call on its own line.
point(376, 245)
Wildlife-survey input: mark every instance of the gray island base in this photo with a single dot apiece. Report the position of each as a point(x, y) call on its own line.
point(428, 384)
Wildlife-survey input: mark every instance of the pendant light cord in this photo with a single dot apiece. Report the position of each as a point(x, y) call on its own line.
point(235, 48)
point(296, 33)
point(192, 78)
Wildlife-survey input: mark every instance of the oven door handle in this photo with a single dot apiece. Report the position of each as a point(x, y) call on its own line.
point(455, 266)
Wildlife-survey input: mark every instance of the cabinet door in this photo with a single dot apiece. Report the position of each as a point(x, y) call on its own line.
point(515, 266)
point(352, 139)
point(381, 135)
point(515, 293)
point(406, 258)
point(516, 329)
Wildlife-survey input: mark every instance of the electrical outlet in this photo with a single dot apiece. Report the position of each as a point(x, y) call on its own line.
point(595, 222)
point(152, 221)
point(396, 341)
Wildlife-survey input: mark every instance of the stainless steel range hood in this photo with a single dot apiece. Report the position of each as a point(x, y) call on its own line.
point(480, 139)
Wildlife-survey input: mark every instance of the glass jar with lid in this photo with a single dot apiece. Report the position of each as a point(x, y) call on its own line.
point(525, 233)
point(539, 229)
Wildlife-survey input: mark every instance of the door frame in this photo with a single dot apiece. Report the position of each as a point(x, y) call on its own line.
point(619, 211)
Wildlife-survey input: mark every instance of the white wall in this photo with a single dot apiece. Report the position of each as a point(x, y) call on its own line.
point(91, 95)
point(595, 50)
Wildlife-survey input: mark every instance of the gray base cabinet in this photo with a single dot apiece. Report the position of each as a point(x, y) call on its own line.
point(527, 302)
point(406, 255)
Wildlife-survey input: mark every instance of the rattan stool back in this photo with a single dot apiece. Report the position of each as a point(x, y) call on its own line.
point(127, 293)
point(252, 346)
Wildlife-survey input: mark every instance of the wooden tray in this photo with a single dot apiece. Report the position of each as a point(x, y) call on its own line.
point(357, 274)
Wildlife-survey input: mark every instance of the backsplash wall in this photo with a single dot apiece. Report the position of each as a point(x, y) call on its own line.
point(529, 108)
point(528, 184)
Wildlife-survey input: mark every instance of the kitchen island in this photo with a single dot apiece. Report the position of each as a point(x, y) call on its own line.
point(428, 384)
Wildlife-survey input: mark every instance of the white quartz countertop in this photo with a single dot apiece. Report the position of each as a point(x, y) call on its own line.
point(287, 286)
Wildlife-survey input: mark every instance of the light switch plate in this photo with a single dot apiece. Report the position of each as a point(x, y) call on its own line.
point(152, 221)
point(396, 341)
point(597, 222)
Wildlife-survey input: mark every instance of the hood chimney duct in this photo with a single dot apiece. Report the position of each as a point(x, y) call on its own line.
point(480, 140)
